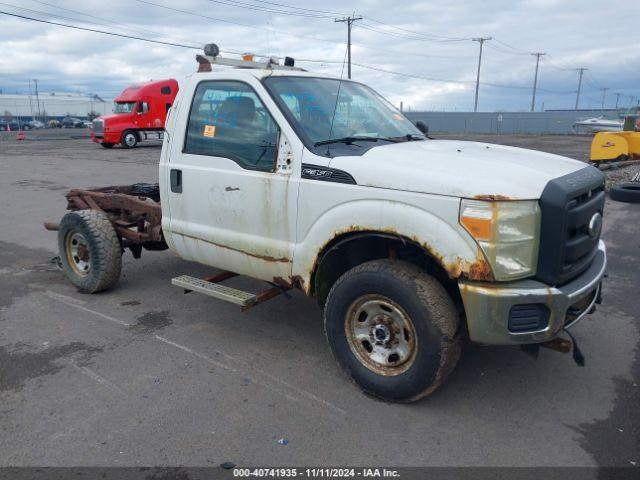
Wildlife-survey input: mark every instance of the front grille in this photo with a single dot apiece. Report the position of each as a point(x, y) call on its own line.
point(568, 204)
point(98, 127)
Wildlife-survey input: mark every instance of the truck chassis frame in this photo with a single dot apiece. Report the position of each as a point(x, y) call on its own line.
point(135, 214)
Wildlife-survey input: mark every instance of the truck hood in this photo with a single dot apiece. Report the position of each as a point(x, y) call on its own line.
point(457, 168)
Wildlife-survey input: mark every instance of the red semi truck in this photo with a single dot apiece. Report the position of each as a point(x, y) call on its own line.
point(139, 114)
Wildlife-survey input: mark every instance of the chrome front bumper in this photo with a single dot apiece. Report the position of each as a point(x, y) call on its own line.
point(487, 305)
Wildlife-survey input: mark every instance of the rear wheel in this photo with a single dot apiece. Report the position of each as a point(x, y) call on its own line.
point(90, 250)
point(106, 145)
point(129, 139)
point(393, 328)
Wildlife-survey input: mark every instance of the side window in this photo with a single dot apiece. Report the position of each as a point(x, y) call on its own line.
point(166, 90)
point(227, 119)
point(143, 107)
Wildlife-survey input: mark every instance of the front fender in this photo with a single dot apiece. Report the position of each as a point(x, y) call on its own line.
point(449, 244)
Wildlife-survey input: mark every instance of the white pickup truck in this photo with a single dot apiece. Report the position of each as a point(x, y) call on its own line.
point(317, 183)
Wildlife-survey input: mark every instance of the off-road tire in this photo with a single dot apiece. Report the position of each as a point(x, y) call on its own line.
point(628, 192)
point(106, 145)
point(431, 311)
point(105, 252)
point(128, 134)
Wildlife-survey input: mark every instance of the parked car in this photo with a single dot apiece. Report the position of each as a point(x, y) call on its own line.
point(12, 125)
point(33, 125)
point(317, 183)
point(71, 122)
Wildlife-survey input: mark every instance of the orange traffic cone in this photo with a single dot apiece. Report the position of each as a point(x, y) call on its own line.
point(21, 136)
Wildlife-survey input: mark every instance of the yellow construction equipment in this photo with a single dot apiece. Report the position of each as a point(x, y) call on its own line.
point(615, 146)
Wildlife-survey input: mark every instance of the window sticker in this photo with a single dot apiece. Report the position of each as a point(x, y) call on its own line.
point(209, 131)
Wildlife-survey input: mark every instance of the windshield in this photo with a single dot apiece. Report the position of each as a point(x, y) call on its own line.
point(359, 112)
point(124, 107)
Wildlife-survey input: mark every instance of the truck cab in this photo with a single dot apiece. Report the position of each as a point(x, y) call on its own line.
point(408, 244)
point(139, 114)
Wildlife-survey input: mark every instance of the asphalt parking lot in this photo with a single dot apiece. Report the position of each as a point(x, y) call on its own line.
point(145, 375)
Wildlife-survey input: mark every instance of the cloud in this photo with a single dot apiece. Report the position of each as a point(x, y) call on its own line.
point(585, 34)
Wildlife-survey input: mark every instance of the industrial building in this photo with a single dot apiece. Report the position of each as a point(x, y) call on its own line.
point(52, 105)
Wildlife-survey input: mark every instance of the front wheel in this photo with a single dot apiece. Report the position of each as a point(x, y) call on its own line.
point(393, 328)
point(90, 250)
point(129, 139)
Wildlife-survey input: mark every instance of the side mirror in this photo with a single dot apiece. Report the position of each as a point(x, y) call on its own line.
point(420, 125)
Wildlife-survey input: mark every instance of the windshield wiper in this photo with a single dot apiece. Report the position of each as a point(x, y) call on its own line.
point(350, 140)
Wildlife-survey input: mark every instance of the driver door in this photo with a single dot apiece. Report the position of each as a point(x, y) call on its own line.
point(229, 206)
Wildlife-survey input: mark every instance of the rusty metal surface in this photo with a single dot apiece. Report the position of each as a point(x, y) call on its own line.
point(51, 226)
point(492, 197)
point(136, 218)
point(558, 344)
point(478, 270)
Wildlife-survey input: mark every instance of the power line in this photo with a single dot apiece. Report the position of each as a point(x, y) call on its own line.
point(417, 38)
point(522, 52)
point(259, 8)
point(504, 50)
point(429, 35)
point(171, 44)
point(282, 32)
point(94, 17)
point(300, 8)
point(301, 60)
point(216, 19)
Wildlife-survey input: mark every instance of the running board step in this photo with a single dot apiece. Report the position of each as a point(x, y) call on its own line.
point(228, 294)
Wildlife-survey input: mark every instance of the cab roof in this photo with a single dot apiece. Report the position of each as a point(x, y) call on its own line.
point(134, 92)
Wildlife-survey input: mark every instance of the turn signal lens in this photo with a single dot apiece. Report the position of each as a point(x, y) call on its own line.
point(478, 218)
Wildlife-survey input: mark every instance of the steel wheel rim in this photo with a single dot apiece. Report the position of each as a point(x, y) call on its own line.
point(381, 335)
point(78, 253)
point(130, 139)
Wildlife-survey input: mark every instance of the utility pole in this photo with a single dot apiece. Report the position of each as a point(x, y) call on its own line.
point(581, 70)
point(481, 41)
point(604, 92)
point(349, 21)
point(617, 99)
point(37, 98)
point(535, 80)
point(30, 100)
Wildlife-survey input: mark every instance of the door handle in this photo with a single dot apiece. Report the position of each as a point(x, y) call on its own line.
point(176, 180)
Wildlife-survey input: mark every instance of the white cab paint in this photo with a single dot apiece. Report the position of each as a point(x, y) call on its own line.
point(270, 225)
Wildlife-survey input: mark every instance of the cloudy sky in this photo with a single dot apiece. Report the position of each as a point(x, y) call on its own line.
point(418, 52)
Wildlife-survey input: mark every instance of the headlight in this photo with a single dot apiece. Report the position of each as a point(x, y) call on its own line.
point(508, 233)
